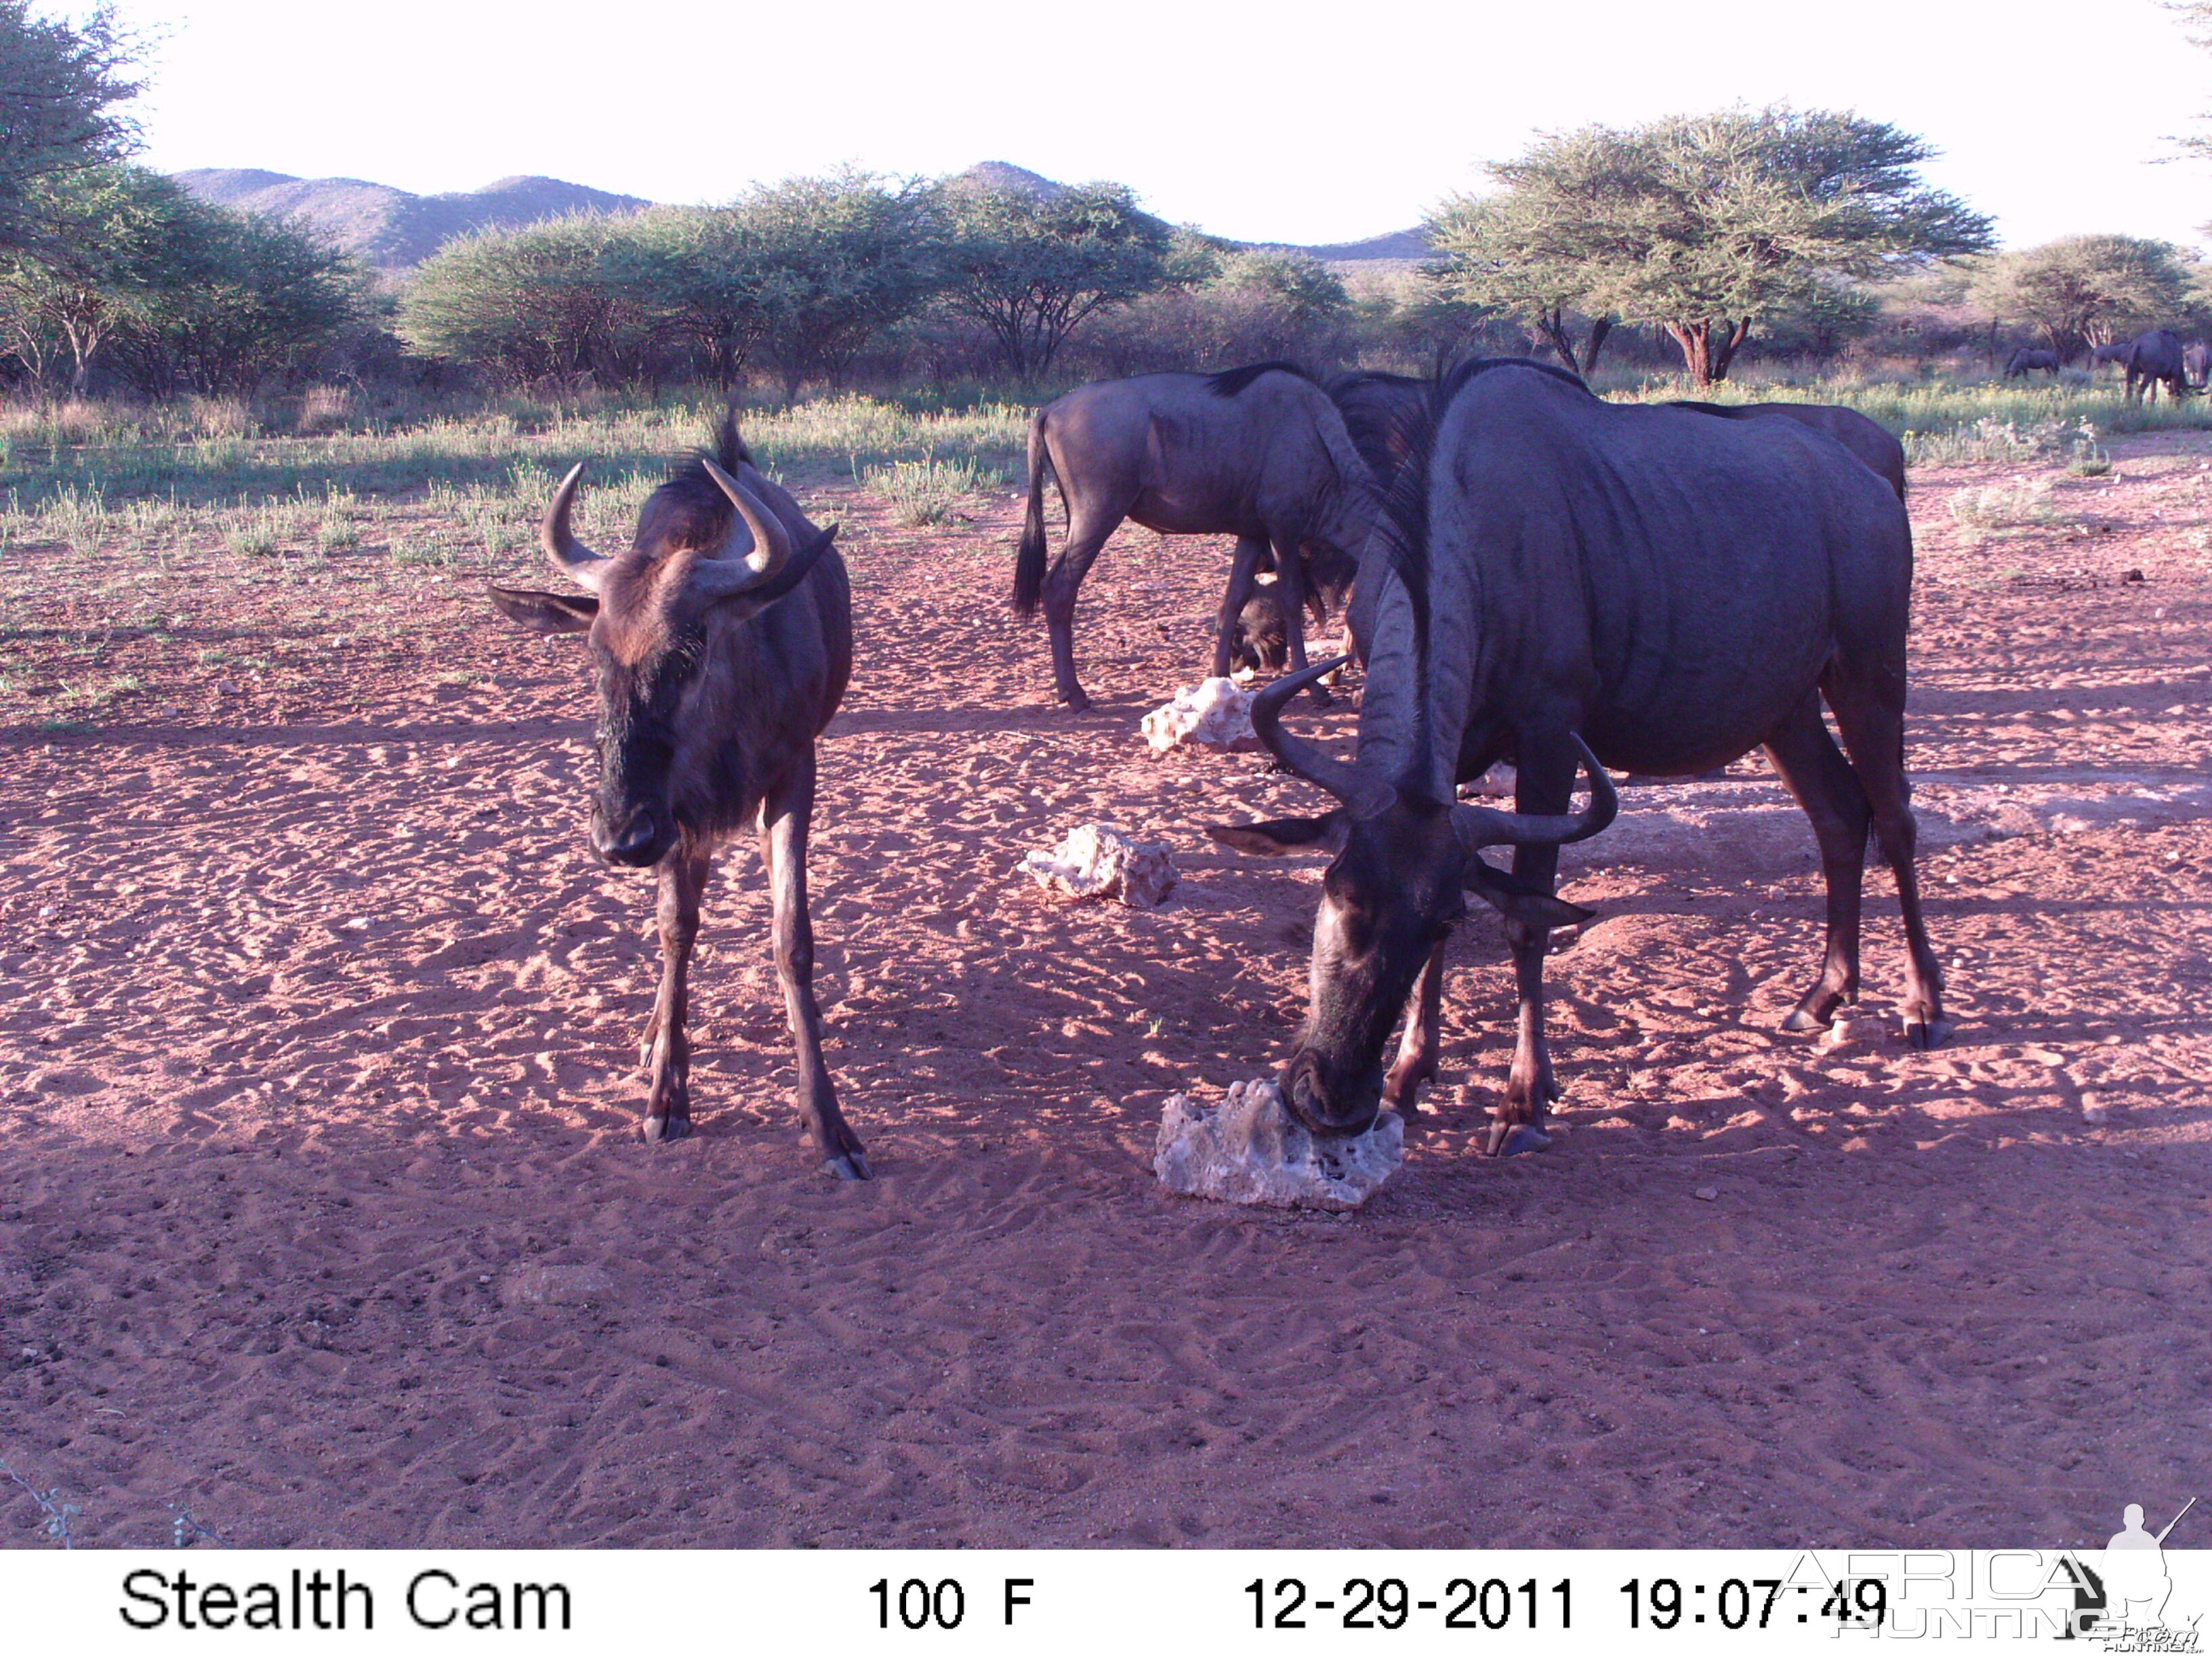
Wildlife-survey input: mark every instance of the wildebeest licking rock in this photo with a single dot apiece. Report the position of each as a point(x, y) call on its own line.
point(1260, 454)
point(1553, 569)
point(1250, 1149)
point(721, 642)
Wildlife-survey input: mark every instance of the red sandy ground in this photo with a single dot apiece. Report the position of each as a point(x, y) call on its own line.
point(319, 1035)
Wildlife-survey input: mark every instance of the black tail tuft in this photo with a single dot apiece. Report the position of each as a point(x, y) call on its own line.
point(1029, 560)
point(729, 448)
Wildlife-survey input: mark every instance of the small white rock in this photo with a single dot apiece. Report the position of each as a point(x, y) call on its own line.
point(1098, 861)
point(1706, 1193)
point(1252, 1150)
point(2094, 1110)
point(1851, 1028)
point(1215, 714)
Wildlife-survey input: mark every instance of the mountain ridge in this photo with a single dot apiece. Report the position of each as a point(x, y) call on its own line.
point(392, 230)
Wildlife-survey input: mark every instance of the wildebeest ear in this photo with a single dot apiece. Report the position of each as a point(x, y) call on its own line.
point(548, 613)
point(1517, 903)
point(1280, 835)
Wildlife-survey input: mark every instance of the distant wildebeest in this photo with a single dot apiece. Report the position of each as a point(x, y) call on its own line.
point(2197, 362)
point(1260, 454)
point(2154, 359)
point(2028, 358)
point(721, 641)
point(1551, 568)
point(1865, 438)
point(2115, 352)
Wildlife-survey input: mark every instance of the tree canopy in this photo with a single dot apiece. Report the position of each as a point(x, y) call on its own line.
point(1032, 268)
point(2086, 290)
point(59, 86)
point(1702, 225)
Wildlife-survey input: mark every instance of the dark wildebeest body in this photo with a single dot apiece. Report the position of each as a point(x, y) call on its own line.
point(2116, 352)
point(1867, 439)
point(1260, 454)
point(2196, 363)
point(1553, 569)
point(2155, 360)
point(2029, 358)
point(722, 641)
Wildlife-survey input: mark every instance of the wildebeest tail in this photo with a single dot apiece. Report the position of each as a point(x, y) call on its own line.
point(1028, 561)
point(730, 448)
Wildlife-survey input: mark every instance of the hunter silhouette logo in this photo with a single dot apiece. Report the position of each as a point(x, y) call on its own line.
point(2128, 1589)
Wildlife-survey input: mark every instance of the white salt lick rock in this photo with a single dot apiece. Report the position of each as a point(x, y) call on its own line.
point(1251, 1150)
point(1098, 861)
point(1215, 714)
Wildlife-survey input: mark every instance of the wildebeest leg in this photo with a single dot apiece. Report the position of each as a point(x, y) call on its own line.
point(1830, 792)
point(1291, 599)
point(1417, 1050)
point(1087, 531)
point(784, 816)
point(1249, 551)
point(1545, 782)
point(666, 1046)
point(1871, 717)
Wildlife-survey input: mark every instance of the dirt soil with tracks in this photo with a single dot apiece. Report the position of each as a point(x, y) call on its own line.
point(324, 1219)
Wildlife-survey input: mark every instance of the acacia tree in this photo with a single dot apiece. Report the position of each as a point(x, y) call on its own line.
point(1706, 225)
point(2085, 290)
point(700, 271)
point(547, 302)
point(1032, 267)
point(839, 259)
point(109, 241)
point(59, 86)
point(1526, 251)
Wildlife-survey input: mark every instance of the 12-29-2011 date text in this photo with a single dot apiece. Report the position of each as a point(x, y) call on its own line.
point(1464, 1603)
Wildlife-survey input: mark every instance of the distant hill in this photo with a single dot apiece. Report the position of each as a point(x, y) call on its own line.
point(392, 230)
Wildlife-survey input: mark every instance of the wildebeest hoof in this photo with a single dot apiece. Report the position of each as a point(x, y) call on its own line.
point(1803, 1019)
point(849, 1165)
point(1928, 1033)
point(1509, 1139)
point(1078, 704)
point(657, 1129)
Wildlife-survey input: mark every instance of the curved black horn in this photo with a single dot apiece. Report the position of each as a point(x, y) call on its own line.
point(1367, 797)
point(570, 557)
point(771, 541)
point(1484, 826)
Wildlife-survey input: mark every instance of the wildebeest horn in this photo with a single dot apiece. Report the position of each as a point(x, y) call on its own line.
point(771, 541)
point(571, 557)
point(1367, 797)
point(727, 575)
point(1484, 826)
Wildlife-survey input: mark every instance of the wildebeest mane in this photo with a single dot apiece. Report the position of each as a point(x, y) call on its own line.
point(1371, 419)
point(1230, 381)
point(690, 509)
point(1403, 525)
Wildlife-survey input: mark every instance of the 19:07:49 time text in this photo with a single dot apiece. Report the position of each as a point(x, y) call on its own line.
point(1495, 1604)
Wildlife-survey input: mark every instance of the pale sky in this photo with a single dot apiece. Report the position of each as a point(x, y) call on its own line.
point(1264, 122)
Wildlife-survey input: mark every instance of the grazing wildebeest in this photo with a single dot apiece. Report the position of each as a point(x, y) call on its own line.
point(2154, 358)
point(1864, 437)
point(2197, 362)
point(1260, 454)
point(2028, 358)
point(1549, 568)
point(722, 641)
point(2115, 352)
point(1259, 644)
